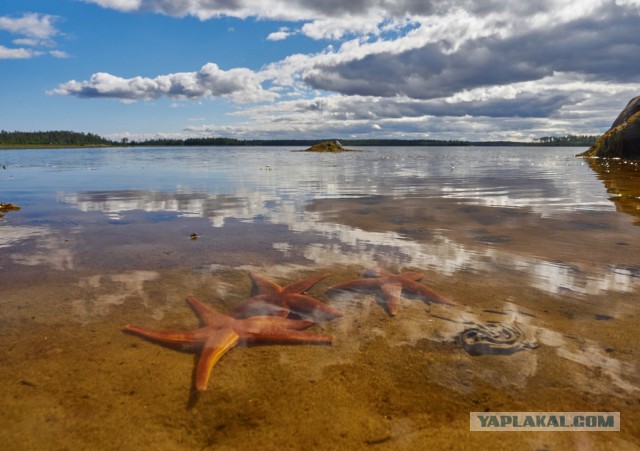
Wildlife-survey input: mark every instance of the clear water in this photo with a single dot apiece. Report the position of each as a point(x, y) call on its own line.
point(104, 237)
point(218, 193)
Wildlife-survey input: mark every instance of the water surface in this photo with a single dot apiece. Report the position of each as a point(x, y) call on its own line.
point(526, 237)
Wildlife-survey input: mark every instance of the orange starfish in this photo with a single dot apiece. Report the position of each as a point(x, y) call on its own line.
point(220, 333)
point(392, 286)
point(272, 299)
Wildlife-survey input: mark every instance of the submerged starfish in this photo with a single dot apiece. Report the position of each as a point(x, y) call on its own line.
point(392, 286)
point(272, 299)
point(220, 333)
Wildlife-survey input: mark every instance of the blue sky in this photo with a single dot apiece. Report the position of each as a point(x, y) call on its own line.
point(440, 69)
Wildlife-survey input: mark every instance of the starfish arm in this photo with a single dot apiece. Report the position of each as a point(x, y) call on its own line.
point(425, 291)
point(308, 307)
point(391, 293)
point(359, 284)
point(259, 306)
point(304, 285)
point(260, 324)
point(412, 275)
point(215, 347)
point(168, 337)
point(377, 272)
point(286, 336)
point(208, 315)
point(264, 286)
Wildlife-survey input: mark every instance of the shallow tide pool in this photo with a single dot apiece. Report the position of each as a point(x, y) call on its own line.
point(532, 241)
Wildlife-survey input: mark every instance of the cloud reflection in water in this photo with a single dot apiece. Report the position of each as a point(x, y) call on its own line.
point(343, 244)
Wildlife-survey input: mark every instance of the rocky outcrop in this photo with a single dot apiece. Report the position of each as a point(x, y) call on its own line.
point(6, 207)
point(622, 140)
point(328, 146)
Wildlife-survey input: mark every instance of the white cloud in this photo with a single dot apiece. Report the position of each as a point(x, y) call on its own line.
point(59, 54)
point(240, 85)
point(120, 5)
point(31, 25)
point(281, 34)
point(555, 105)
point(325, 19)
point(410, 67)
point(338, 27)
point(35, 30)
point(21, 53)
point(31, 42)
point(635, 3)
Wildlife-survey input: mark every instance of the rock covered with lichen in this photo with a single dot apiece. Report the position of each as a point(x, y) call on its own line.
point(622, 140)
point(328, 146)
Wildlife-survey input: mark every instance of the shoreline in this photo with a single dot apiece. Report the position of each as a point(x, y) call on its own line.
point(407, 144)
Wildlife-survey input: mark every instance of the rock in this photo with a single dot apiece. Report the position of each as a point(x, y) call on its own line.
point(7, 207)
point(622, 140)
point(328, 146)
point(632, 108)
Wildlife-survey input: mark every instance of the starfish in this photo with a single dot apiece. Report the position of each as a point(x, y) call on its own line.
point(220, 333)
point(392, 286)
point(272, 299)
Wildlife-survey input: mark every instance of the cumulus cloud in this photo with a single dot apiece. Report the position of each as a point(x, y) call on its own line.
point(269, 9)
point(336, 18)
point(409, 67)
point(554, 105)
point(240, 85)
point(20, 53)
point(281, 34)
point(59, 54)
point(35, 30)
point(598, 46)
point(301, 10)
point(31, 25)
point(327, 19)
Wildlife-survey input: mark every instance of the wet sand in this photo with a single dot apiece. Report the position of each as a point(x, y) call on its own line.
point(73, 379)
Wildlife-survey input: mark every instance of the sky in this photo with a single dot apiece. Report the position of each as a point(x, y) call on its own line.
point(307, 69)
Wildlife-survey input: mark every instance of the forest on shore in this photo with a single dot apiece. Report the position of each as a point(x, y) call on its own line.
point(55, 138)
point(60, 138)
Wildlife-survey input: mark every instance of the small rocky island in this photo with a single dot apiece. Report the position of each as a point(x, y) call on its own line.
point(328, 146)
point(622, 140)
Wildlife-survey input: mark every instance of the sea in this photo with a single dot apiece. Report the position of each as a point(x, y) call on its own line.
point(538, 249)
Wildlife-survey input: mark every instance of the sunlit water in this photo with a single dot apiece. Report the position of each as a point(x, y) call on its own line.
point(527, 236)
point(266, 192)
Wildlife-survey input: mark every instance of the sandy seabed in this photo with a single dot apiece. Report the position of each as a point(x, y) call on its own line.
point(73, 380)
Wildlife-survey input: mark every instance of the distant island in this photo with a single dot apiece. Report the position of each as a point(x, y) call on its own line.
point(328, 146)
point(53, 139)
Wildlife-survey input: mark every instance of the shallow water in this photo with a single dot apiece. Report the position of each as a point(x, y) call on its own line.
point(531, 238)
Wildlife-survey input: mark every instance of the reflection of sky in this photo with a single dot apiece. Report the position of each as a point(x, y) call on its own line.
point(271, 186)
point(276, 182)
point(274, 186)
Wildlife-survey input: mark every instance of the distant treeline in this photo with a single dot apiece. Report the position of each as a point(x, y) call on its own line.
point(293, 142)
point(75, 139)
point(569, 140)
point(547, 141)
point(52, 138)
